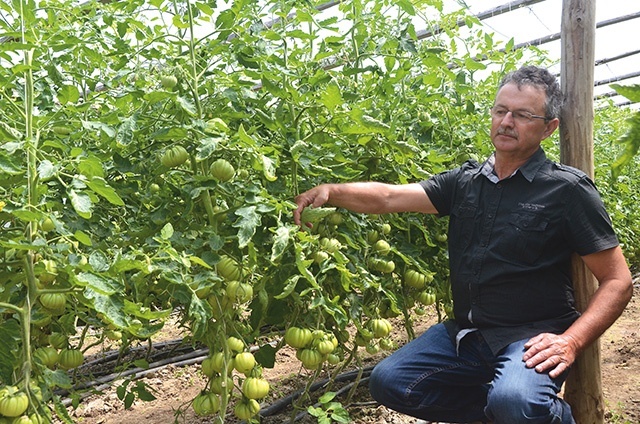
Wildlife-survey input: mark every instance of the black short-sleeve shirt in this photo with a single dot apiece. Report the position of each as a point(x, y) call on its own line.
point(511, 243)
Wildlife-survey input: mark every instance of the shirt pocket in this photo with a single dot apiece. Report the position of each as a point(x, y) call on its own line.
point(529, 235)
point(462, 224)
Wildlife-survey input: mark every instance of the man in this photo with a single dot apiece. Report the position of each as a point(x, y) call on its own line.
point(514, 223)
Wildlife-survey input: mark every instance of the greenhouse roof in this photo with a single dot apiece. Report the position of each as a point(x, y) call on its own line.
point(538, 22)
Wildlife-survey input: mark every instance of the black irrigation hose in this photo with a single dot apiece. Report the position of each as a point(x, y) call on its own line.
point(136, 373)
point(283, 403)
point(115, 354)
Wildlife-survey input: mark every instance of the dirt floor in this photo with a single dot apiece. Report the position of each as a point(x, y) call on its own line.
point(174, 386)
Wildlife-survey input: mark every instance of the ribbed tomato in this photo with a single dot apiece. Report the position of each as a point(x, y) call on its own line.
point(244, 362)
point(70, 358)
point(47, 355)
point(13, 402)
point(54, 302)
point(222, 170)
point(380, 327)
point(174, 156)
point(310, 358)
point(297, 337)
point(255, 388)
point(228, 269)
point(239, 292)
point(206, 403)
point(235, 344)
point(247, 409)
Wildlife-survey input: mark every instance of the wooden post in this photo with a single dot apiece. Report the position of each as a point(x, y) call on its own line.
point(583, 389)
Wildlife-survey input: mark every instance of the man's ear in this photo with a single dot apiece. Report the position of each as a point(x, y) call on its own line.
point(552, 125)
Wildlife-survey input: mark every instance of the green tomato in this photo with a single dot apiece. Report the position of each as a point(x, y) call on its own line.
point(219, 384)
point(113, 335)
point(297, 337)
point(23, 419)
point(415, 279)
point(239, 292)
point(222, 170)
point(47, 225)
point(228, 269)
point(47, 355)
point(372, 236)
point(381, 247)
point(174, 156)
point(330, 245)
point(427, 298)
point(333, 359)
point(207, 367)
point(244, 362)
point(388, 267)
point(168, 81)
point(206, 403)
point(58, 340)
point(386, 344)
point(380, 327)
point(310, 358)
point(50, 272)
point(217, 362)
point(335, 218)
point(54, 302)
point(320, 256)
point(255, 388)
point(385, 229)
point(14, 402)
point(247, 409)
point(372, 349)
point(235, 344)
point(70, 358)
point(325, 347)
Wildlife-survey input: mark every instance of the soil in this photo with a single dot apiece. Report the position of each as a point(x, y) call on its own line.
point(174, 386)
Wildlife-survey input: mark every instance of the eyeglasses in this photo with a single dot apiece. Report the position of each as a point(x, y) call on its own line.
point(520, 116)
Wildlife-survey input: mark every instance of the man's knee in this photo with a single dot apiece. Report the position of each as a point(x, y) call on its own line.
point(381, 384)
point(521, 406)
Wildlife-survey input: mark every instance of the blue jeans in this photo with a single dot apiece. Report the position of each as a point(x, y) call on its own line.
point(428, 380)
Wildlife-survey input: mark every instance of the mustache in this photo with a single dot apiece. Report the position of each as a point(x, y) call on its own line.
point(507, 132)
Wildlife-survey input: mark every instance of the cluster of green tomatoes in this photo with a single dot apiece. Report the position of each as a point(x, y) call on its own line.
point(221, 368)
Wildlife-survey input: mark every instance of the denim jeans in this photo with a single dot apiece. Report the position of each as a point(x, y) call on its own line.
point(427, 379)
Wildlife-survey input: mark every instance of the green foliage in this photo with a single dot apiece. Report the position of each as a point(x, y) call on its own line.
point(630, 140)
point(91, 98)
point(329, 410)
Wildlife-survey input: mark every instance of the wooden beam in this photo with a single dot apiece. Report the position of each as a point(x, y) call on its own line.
point(583, 389)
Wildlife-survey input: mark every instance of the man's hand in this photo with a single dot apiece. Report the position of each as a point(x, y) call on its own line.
point(550, 352)
point(315, 197)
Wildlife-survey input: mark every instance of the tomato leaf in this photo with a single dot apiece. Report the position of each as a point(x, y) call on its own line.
point(81, 203)
point(83, 238)
point(247, 224)
point(100, 187)
point(10, 335)
point(281, 241)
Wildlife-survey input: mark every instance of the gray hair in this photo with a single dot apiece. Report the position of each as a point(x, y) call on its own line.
point(542, 79)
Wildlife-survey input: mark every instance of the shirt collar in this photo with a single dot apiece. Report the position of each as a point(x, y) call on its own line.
point(528, 170)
